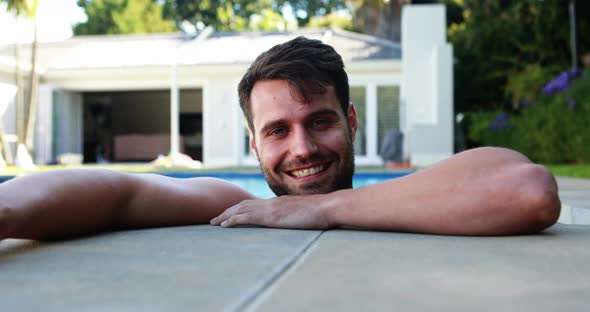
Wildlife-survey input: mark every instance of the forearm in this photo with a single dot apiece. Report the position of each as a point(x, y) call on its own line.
point(164, 201)
point(467, 195)
point(61, 203)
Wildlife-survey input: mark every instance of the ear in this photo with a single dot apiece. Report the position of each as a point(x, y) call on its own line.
point(252, 143)
point(352, 121)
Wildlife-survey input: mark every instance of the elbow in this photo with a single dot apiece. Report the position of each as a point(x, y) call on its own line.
point(542, 206)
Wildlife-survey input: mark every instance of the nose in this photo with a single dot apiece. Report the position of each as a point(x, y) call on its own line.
point(302, 144)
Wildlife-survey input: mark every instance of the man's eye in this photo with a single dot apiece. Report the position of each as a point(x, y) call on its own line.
point(277, 131)
point(320, 123)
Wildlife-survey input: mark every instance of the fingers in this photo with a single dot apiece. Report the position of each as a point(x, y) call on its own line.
point(239, 219)
point(241, 208)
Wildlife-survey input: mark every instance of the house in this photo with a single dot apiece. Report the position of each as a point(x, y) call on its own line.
point(111, 97)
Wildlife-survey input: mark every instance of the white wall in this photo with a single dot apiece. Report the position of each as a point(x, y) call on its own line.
point(8, 112)
point(427, 96)
point(44, 126)
point(43, 131)
point(221, 122)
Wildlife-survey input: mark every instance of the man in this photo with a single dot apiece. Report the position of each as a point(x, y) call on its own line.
point(295, 98)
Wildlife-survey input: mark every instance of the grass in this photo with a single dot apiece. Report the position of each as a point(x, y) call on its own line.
point(575, 170)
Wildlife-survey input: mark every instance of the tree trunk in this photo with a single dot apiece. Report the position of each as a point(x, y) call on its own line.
point(389, 23)
point(381, 19)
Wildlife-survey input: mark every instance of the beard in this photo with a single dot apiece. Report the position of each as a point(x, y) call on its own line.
point(341, 180)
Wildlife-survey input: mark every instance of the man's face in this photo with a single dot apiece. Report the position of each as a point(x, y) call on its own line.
point(303, 148)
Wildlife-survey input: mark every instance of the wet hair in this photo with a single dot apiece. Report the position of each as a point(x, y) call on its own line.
point(308, 65)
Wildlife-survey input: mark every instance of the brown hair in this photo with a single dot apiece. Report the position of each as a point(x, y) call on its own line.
point(307, 64)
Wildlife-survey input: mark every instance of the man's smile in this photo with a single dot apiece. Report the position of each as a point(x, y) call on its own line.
point(302, 173)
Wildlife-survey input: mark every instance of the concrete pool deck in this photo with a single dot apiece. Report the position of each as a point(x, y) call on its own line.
point(208, 268)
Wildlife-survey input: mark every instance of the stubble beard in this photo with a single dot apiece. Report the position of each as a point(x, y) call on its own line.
point(342, 179)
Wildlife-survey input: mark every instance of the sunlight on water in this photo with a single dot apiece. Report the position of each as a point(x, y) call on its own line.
point(258, 186)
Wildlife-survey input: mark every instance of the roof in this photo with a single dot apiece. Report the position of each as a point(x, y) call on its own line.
point(107, 51)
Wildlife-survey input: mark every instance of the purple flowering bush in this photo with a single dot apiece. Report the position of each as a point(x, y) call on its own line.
point(562, 82)
point(554, 127)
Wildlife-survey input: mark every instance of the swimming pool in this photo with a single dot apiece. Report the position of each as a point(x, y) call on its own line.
point(255, 183)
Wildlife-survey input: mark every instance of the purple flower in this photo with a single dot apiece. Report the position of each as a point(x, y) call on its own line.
point(500, 122)
point(562, 82)
point(557, 85)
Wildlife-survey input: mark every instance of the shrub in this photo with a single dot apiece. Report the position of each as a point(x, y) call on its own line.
point(553, 128)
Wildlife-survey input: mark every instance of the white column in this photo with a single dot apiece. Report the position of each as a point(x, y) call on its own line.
point(220, 133)
point(44, 126)
point(427, 84)
point(174, 128)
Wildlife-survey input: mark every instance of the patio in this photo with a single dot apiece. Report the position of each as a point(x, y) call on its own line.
point(209, 268)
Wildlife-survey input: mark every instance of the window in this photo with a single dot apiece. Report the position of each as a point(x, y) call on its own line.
point(387, 111)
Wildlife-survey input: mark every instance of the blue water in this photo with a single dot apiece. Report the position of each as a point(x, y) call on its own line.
point(255, 183)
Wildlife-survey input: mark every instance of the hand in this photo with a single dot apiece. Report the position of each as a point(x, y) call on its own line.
point(290, 211)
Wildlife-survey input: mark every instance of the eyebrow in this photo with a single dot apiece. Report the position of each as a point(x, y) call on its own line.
point(279, 122)
point(325, 111)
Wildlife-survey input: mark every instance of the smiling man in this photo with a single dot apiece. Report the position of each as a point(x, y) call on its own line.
point(304, 147)
point(296, 100)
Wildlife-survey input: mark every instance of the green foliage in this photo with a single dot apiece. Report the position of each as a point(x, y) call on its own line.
point(122, 17)
point(268, 20)
point(552, 129)
point(527, 84)
point(220, 14)
point(331, 20)
point(248, 14)
point(306, 10)
point(500, 38)
point(26, 8)
point(147, 16)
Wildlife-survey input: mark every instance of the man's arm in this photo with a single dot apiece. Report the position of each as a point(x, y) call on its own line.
point(486, 191)
point(69, 203)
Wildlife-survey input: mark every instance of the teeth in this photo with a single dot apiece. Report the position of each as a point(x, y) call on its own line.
point(307, 172)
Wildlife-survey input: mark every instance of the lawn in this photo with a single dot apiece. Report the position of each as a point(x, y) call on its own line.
point(577, 170)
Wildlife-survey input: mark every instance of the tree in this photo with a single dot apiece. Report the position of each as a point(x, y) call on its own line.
point(305, 11)
point(379, 18)
point(122, 17)
point(226, 15)
point(331, 20)
point(501, 39)
point(382, 18)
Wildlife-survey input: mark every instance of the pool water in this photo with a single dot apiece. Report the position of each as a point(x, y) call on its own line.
point(256, 184)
